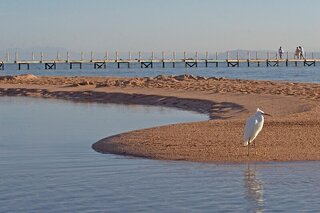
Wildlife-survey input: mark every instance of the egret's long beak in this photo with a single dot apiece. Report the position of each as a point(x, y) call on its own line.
point(267, 114)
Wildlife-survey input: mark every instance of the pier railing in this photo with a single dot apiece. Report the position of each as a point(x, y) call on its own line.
point(147, 59)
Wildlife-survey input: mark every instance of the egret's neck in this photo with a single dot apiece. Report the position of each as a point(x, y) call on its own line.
point(259, 116)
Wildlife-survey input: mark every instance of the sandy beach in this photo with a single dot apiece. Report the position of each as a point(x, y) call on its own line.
point(290, 135)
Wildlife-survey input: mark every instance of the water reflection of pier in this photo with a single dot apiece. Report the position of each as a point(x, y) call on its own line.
point(254, 186)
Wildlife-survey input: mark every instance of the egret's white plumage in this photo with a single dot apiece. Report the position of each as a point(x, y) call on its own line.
point(253, 126)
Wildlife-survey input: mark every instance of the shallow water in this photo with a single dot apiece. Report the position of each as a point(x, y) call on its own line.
point(291, 73)
point(47, 165)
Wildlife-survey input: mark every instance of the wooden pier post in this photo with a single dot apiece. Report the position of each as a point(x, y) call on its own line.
point(146, 64)
point(16, 57)
point(248, 59)
point(228, 59)
point(152, 58)
point(217, 59)
point(117, 58)
point(238, 63)
point(140, 59)
point(19, 65)
point(68, 57)
point(71, 64)
point(99, 65)
point(129, 55)
point(163, 63)
point(50, 66)
point(174, 59)
point(41, 57)
point(196, 59)
point(206, 59)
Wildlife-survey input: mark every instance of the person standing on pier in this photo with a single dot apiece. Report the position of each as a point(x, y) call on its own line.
point(280, 52)
point(297, 53)
point(301, 56)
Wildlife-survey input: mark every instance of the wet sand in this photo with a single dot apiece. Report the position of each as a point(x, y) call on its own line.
point(290, 135)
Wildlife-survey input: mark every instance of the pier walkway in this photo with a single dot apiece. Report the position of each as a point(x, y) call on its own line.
point(206, 59)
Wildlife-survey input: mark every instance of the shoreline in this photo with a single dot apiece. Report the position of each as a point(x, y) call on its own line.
point(290, 135)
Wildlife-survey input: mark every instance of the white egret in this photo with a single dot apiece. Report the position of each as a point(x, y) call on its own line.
point(252, 128)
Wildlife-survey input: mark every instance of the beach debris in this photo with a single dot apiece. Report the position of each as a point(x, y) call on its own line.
point(84, 83)
point(25, 77)
point(213, 78)
point(201, 78)
point(19, 78)
point(185, 77)
point(161, 77)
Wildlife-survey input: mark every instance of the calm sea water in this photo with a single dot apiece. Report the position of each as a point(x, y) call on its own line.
point(291, 73)
point(47, 165)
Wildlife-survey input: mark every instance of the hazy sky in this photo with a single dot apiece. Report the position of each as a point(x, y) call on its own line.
point(156, 25)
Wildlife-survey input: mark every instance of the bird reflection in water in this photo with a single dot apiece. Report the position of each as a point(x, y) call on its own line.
point(254, 187)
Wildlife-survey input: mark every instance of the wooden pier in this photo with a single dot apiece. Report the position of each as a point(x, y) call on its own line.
point(164, 60)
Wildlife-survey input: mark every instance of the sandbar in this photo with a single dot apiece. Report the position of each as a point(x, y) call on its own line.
point(290, 135)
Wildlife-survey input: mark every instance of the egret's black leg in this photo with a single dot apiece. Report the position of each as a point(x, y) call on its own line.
point(248, 146)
